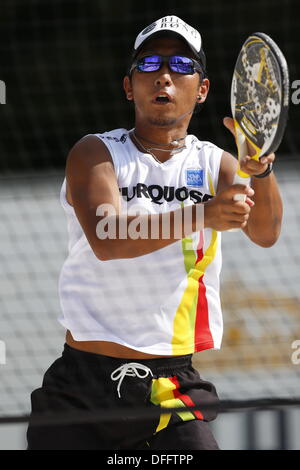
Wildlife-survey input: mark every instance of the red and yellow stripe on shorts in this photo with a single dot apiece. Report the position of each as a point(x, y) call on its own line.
point(165, 392)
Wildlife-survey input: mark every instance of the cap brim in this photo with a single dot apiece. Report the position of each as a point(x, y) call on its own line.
point(166, 33)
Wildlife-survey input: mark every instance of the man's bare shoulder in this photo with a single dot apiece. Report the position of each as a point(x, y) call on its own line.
point(87, 150)
point(88, 158)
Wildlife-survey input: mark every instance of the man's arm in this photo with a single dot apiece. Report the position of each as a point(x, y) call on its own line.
point(264, 222)
point(92, 183)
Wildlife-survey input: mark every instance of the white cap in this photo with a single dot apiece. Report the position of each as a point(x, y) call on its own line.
point(175, 25)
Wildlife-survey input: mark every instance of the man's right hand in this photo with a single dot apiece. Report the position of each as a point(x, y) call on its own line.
point(224, 213)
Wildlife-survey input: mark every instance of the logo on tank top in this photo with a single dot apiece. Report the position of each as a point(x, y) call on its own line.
point(194, 177)
point(159, 194)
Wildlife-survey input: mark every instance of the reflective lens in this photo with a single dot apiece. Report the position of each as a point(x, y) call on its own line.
point(181, 64)
point(176, 63)
point(149, 63)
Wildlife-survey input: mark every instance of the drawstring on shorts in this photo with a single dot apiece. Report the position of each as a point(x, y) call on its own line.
point(131, 369)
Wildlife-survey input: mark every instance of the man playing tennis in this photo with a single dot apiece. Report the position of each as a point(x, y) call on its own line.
point(137, 307)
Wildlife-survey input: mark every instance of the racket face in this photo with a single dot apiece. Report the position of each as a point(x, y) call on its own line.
point(260, 93)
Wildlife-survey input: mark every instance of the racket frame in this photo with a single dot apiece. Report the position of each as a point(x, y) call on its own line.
point(241, 139)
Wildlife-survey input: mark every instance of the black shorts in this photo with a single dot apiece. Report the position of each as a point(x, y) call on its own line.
point(91, 384)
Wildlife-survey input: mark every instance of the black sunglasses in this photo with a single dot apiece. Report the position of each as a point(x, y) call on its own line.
point(176, 63)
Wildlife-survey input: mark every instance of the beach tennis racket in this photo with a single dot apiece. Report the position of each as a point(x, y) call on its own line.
point(259, 100)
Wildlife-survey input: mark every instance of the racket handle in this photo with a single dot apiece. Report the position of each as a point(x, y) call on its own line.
point(240, 177)
point(240, 180)
point(239, 197)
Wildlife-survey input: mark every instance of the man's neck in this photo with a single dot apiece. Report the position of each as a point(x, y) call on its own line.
point(161, 150)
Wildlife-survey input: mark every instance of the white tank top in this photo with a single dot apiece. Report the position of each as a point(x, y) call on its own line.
point(166, 302)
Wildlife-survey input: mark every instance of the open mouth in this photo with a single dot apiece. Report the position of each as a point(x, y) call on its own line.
point(162, 99)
